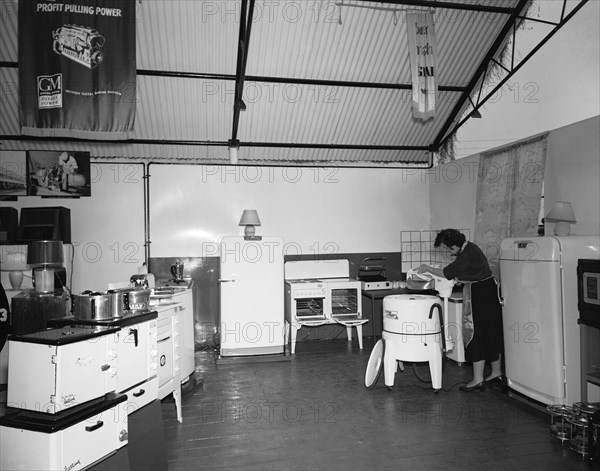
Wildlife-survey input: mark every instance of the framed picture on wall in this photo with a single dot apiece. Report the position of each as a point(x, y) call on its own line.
point(58, 174)
point(13, 175)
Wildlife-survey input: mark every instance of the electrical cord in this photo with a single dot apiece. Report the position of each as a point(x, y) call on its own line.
point(428, 381)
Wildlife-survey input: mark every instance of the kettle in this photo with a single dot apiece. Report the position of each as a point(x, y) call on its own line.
point(177, 271)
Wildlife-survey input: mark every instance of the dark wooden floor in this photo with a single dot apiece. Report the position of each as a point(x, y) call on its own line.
point(312, 411)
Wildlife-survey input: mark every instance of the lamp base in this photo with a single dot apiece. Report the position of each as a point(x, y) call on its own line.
point(15, 278)
point(249, 230)
point(562, 228)
point(43, 280)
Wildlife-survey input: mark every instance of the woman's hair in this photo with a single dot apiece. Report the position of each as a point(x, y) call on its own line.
point(449, 237)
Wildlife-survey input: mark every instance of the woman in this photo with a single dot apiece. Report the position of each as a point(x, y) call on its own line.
point(482, 313)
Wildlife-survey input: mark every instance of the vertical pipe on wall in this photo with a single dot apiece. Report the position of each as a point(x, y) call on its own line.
point(147, 241)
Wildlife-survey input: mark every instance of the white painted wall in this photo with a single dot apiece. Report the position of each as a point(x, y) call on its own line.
point(572, 174)
point(314, 210)
point(453, 193)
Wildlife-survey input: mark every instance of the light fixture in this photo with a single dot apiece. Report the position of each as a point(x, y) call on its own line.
point(44, 255)
point(250, 220)
point(234, 147)
point(15, 265)
point(233, 155)
point(562, 214)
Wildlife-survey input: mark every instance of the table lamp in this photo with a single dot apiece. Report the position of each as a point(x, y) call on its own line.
point(15, 265)
point(44, 255)
point(250, 220)
point(562, 214)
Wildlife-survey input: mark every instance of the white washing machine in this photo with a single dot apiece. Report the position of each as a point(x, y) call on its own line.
point(412, 331)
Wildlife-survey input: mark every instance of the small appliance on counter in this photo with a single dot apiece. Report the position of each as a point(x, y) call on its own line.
point(177, 271)
point(371, 274)
point(139, 281)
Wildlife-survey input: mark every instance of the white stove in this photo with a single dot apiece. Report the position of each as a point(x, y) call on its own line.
point(321, 292)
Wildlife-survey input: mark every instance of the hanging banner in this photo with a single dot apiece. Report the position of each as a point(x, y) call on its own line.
point(77, 68)
point(422, 50)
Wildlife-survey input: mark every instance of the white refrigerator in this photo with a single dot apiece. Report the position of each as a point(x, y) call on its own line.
point(541, 336)
point(252, 296)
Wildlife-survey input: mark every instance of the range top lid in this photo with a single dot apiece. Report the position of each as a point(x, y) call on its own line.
point(65, 335)
point(316, 269)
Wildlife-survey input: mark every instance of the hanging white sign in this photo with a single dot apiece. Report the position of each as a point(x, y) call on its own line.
point(422, 49)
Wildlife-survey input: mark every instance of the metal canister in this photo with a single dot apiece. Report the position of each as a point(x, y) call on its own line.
point(580, 430)
point(560, 427)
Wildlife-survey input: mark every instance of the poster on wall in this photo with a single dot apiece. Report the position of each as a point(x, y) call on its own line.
point(13, 175)
point(77, 68)
point(58, 174)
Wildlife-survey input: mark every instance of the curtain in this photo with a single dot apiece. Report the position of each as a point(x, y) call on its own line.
point(509, 193)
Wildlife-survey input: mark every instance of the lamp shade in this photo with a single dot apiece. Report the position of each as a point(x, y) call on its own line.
point(16, 261)
point(561, 212)
point(45, 252)
point(250, 217)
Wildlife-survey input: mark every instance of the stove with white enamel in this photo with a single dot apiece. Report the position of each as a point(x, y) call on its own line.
point(319, 292)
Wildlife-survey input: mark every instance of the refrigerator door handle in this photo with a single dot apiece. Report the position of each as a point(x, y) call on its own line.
point(499, 291)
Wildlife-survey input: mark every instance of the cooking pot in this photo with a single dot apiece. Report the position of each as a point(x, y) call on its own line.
point(118, 301)
point(93, 305)
point(137, 299)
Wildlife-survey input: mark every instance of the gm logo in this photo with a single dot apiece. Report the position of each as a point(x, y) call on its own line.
point(49, 91)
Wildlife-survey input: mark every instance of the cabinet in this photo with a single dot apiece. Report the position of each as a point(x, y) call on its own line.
point(185, 310)
point(169, 355)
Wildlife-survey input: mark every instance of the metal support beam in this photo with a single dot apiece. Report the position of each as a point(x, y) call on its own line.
point(435, 4)
point(242, 59)
point(494, 49)
point(448, 131)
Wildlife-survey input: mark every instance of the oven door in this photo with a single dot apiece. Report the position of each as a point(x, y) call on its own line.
point(345, 300)
point(135, 354)
point(308, 308)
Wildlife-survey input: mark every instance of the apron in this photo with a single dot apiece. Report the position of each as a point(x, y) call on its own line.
point(468, 327)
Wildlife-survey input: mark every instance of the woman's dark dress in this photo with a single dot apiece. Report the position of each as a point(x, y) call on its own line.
point(471, 265)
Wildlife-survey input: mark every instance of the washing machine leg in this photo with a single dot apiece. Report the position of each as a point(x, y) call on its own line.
point(389, 368)
point(435, 366)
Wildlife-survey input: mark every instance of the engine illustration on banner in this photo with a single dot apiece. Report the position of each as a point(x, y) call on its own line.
point(80, 44)
point(77, 69)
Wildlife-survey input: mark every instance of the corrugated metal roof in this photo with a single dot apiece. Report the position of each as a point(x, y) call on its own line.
point(326, 83)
